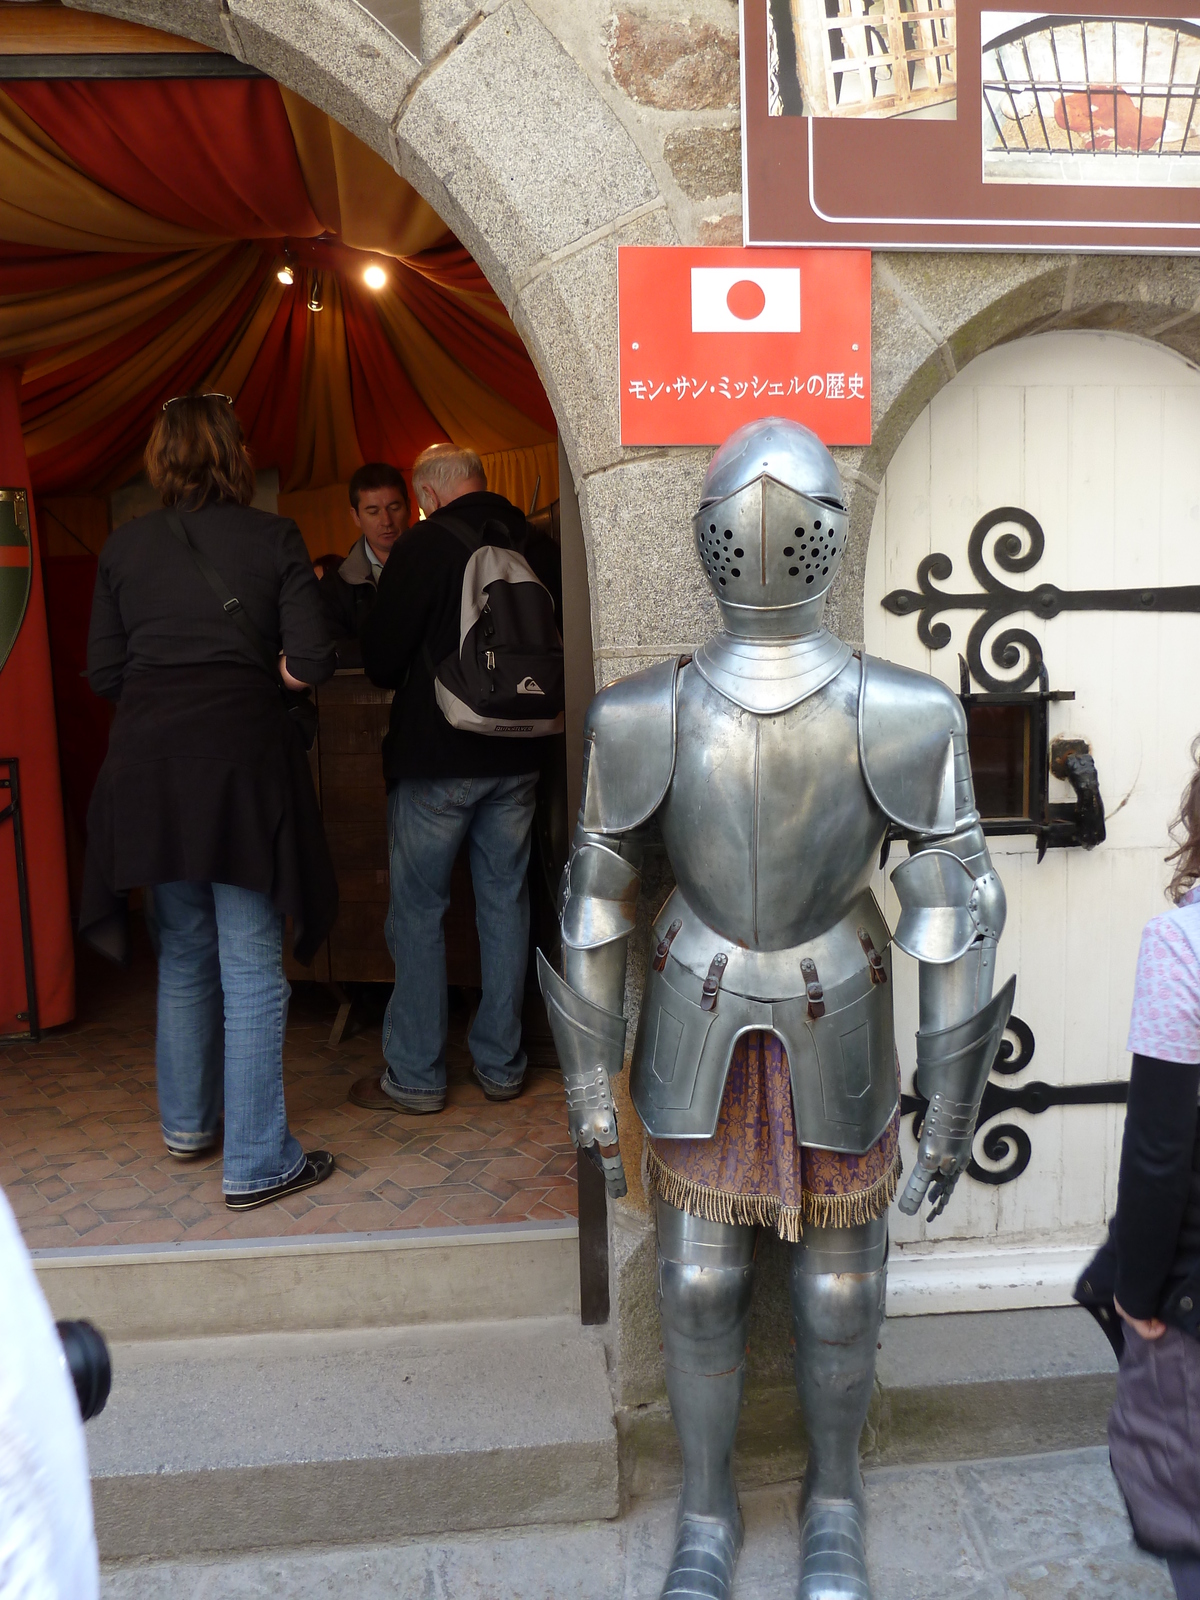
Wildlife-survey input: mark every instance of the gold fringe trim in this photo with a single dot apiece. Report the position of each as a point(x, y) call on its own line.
point(767, 1210)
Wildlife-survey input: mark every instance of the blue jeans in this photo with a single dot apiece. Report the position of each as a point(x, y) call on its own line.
point(428, 819)
point(222, 1012)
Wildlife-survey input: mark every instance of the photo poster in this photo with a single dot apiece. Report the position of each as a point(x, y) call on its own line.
point(936, 124)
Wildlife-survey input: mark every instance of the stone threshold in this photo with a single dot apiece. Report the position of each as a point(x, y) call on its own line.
point(313, 1282)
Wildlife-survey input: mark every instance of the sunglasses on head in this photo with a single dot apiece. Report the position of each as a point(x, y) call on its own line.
point(212, 395)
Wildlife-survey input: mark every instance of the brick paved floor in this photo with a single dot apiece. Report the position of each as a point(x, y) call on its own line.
point(83, 1163)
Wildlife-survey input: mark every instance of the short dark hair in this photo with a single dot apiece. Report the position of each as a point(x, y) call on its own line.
point(377, 475)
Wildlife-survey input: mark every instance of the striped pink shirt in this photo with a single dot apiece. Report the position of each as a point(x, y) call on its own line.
point(1166, 993)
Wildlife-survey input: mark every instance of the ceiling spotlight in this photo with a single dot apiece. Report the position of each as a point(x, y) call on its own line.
point(285, 274)
point(374, 277)
point(314, 292)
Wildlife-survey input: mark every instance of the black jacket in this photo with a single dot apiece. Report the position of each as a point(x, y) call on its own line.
point(348, 594)
point(1151, 1260)
point(415, 621)
point(205, 779)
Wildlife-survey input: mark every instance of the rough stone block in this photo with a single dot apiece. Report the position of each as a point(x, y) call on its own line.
point(190, 19)
point(726, 230)
point(705, 162)
point(637, 1368)
point(484, 137)
point(1153, 287)
point(229, 1444)
point(978, 300)
point(335, 55)
point(567, 316)
point(685, 65)
point(648, 587)
point(441, 20)
point(901, 349)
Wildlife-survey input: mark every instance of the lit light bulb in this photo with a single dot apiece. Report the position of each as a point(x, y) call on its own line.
point(285, 274)
point(374, 277)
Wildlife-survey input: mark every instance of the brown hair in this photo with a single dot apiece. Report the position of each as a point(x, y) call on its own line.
point(1186, 854)
point(197, 452)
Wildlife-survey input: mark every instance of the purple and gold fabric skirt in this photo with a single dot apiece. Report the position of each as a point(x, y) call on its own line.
point(754, 1172)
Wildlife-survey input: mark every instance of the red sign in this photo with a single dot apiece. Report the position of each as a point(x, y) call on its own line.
point(711, 339)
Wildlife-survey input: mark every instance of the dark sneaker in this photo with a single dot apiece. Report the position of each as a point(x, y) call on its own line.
point(318, 1165)
point(498, 1091)
point(372, 1096)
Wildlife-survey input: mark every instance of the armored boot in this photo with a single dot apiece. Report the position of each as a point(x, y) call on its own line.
point(837, 1284)
point(705, 1272)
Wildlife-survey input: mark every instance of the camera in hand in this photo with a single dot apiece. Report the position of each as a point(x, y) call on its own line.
point(89, 1365)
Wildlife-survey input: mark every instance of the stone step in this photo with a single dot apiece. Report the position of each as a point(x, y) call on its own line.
point(318, 1281)
point(953, 1387)
point(221, 1445)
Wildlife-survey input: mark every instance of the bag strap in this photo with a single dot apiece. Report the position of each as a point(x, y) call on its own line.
point(462, 531)
point(230, 604)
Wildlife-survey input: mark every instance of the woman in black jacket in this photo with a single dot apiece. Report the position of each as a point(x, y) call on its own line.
point(1149, 1271)
point(202, 613)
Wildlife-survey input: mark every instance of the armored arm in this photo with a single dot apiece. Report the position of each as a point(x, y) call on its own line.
point(629, 757)
point(952, 915)
point(585, 1003)
point(952, 910)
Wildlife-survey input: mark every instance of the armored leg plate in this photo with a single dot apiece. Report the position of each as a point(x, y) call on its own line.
point(706, 1551)
point(833, 1560)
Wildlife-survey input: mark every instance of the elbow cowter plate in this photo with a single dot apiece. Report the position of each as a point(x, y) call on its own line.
point(944, 907)
point(600, 897)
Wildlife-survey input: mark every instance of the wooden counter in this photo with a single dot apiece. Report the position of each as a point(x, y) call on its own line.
point(352, 718)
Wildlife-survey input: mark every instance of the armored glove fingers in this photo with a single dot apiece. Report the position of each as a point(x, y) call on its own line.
point(943, 1153)
point(592, 1120)
point(953, 1065)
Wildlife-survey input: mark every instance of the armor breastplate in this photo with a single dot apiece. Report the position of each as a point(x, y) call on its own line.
point(768, 823)
point(773, 836)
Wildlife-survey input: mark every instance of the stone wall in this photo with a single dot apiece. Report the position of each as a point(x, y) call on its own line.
point(548, 133)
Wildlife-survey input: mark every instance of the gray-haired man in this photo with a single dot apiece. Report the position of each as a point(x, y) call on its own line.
point(447, 787)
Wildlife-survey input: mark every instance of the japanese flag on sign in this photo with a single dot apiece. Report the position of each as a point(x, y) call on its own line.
point(746, 300)
point(711, 339)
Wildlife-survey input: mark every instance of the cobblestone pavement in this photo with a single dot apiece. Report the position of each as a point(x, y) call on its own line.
point(83, 1163)
point(1046, 1527)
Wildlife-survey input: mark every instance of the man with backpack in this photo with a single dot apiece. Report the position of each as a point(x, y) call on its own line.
point(465, 630)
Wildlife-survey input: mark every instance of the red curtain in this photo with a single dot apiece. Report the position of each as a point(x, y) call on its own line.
point(220, 157)
point(28, 731)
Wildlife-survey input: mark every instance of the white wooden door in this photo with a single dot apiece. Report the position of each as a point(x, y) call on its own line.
point(1098, 436)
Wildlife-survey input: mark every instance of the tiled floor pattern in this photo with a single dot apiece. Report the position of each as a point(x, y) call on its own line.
point(82, 1160)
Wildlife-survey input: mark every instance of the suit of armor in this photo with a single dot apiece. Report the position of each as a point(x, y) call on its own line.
point(775, 762)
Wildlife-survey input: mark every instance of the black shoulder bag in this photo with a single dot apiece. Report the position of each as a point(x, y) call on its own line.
point(300, 708)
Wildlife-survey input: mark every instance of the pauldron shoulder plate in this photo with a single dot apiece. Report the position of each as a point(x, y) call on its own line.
point(629, 749)
point(906, 727)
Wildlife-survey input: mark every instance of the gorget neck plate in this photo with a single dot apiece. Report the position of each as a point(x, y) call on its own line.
point(769, 675)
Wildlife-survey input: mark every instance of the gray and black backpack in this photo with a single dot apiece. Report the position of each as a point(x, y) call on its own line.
point(506, 677)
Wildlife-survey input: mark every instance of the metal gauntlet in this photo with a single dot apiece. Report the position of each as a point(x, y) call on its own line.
point(597, 913)
point(591, 1045)
point(953, 1065)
